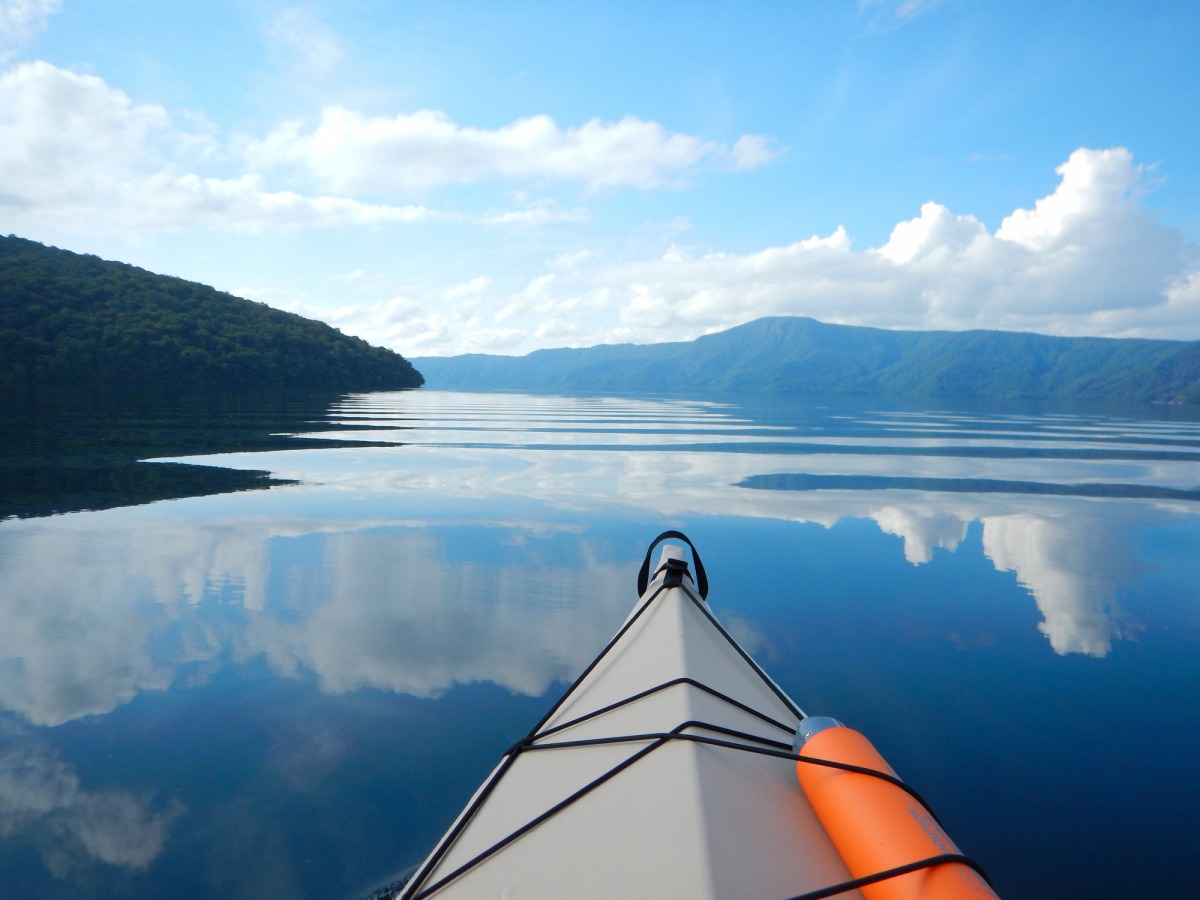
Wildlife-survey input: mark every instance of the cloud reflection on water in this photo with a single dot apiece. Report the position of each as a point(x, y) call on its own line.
point(400, 617)
point(1073, 558)
point(131, 609)
point(326, 579)
point(149, 603)
point(1071, 554)
point(43, 798)
point(1073, 568)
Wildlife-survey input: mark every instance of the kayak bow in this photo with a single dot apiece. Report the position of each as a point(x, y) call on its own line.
point(669, 769)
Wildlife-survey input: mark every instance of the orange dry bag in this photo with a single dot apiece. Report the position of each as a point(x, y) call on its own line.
point(876, 825)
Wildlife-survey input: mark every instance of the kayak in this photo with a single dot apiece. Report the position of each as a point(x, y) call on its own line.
point(675, 766)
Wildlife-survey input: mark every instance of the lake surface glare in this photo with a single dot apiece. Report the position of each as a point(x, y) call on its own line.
point(291, 691)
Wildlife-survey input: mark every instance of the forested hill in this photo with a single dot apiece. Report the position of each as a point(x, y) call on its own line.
point(803, 356)
point(67, 318)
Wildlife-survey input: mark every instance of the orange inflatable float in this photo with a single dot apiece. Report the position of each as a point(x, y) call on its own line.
point(875, 824)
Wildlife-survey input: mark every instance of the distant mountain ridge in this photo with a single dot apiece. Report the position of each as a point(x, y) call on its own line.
point(66, 318)
point(798, 355)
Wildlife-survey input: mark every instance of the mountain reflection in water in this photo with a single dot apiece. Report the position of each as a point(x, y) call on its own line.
point(358, 620)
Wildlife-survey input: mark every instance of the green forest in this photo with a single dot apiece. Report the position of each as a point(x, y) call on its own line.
point(67, 318)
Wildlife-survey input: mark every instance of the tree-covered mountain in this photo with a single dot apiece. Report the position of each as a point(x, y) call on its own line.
point(803, 356)
point(66, 318)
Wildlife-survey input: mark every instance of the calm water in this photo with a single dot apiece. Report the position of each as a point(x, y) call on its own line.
point(290, 691)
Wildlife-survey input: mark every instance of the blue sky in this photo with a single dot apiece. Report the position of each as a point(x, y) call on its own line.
point(498, 177)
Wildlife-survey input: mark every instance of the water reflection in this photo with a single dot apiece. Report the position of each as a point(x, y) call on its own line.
point(1075, 568)
point(102, 607)
point(42, 798)
point(65, 448)
point(145, 605)
point(1074, 559)
point(496, 547)
point(402, 617)
point(1072, 555)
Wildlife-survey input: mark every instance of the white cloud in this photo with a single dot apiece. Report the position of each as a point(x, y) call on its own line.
point(1183, 297)
point(476, 285)
point(1093, 182)
point(297, 36)
point(932, 237)
point(751, 151)
point(74, 150)
point(884, 15)
point(66, 138)
point(244, 204)
point(23, 20)
point(1086, 259)
point(80, 154)
point(352, 152)
point(399, 321)
point(542, 211)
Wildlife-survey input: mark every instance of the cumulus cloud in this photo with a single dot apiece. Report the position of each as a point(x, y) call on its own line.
point(67, 137)
point(76, 152)
point(79, 154)
point(1087, 259)
point(349, 151)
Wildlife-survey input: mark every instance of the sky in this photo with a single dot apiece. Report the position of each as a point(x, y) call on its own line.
point(499, 177)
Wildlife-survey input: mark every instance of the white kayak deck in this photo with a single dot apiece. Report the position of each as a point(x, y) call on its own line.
point(678, 818)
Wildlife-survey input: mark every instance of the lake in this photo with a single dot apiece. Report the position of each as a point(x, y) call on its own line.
point(218, 682)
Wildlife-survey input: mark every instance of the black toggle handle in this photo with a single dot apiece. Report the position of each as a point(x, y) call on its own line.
point(644, 572)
